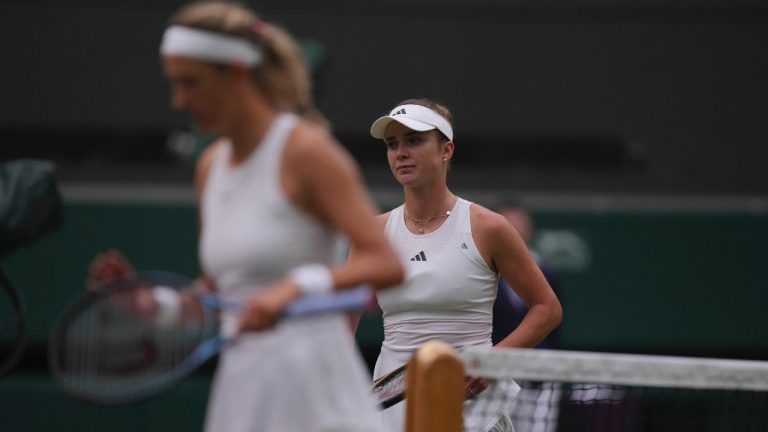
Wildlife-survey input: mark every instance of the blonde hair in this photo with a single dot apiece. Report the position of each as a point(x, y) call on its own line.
point(283, 75)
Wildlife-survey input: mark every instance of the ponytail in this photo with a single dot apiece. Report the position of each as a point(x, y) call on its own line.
point(283, 75)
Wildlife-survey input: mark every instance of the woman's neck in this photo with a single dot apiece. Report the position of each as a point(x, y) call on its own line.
point(249, 129)
point(424, 203)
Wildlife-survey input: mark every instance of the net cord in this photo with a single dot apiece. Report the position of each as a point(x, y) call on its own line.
point(619, 369)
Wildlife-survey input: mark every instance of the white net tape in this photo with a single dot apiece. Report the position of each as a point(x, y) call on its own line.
point(589, 391)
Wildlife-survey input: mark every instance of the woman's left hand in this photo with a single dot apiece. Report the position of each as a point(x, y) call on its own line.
point(475, 386)
point(263, 310)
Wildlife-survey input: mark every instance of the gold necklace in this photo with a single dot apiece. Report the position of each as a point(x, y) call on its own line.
point(424, 222)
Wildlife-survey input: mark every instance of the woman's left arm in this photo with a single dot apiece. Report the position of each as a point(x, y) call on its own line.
point(333, 190)
point(506, 252)
point(319, 176)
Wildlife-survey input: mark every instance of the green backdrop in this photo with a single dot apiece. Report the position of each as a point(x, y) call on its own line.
point(652, 281)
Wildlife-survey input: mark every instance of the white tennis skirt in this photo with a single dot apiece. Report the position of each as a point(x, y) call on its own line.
point(488, 413)
point(305, 375)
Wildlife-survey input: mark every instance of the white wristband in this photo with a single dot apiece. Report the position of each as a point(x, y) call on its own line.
point(168, 306)
point(313, 279)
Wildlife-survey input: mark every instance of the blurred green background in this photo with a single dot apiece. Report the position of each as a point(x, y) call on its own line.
point(644, 281)
point(658, 106)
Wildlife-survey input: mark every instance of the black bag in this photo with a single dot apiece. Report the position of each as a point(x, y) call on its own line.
point(30, 203)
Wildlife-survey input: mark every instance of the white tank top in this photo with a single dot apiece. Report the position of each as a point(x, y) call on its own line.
point(449, 290)
point(251, 233)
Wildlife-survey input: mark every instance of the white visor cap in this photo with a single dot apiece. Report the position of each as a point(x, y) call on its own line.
point(416, 117)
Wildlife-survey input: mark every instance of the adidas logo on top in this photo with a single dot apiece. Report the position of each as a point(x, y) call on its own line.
point(400, 111)
point(419, 257)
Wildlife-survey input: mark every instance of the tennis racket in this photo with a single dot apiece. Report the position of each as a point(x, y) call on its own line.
point(116, 345)
point(389, 389)
point(13, 325)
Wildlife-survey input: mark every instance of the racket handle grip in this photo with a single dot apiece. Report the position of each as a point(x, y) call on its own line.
point(352, 299)
point(345, 300)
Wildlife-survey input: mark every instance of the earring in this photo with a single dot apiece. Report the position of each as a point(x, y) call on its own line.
point(445, 159)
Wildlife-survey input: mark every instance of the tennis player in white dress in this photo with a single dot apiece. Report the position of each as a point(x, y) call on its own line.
point(276, 191)
point(453, 251)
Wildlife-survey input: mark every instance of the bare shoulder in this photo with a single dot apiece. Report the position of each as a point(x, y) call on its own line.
point(494, 235)
point(320, 175)
point(206, 157)
point(306, 135)
point(311, 141)
point(381, 219)
point(487, 223)
point(319, 160)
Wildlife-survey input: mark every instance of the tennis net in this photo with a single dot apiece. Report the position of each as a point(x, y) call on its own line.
point(589, 391)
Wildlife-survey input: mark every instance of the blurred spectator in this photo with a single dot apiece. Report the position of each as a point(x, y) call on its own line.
point(509, 309)
point(536, 408)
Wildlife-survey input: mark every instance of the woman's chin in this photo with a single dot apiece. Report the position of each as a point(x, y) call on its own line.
point(407, 180)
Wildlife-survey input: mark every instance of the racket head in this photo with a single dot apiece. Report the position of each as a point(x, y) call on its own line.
point(109, 348)
point(13, 325)
point(389, 389)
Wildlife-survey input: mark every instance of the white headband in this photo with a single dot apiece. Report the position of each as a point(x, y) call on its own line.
point(416, 117)
point(209, 46)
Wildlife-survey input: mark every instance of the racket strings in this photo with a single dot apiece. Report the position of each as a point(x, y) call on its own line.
point(118, 345)
point(107, 352)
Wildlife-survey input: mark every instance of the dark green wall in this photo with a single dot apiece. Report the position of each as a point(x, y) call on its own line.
point(32, 403)
point(669, 283)
point(51, 272)
point(651, 281)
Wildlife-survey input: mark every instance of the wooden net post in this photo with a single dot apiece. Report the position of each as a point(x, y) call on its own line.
point(436, 389)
